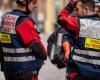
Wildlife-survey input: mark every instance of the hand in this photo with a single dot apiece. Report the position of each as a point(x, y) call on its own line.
point(66, 57)
point(62, 21)
point(39, 50)
point(73, 3)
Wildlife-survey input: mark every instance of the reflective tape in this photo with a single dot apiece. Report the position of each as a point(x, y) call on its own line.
point(81, 59)
point(52, 52)
point(19, 59)
point(17, 50)
point(85, 52)
point(90, 28)
point(59, 39)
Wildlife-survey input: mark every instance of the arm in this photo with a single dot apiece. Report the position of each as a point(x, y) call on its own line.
point(70, 23)
point(66, 47)
point(26, 30)
point(66, 44)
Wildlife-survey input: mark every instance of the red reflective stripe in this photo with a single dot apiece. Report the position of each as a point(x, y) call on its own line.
point(27, 32)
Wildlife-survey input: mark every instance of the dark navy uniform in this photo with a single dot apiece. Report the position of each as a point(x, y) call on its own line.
point(23, 51)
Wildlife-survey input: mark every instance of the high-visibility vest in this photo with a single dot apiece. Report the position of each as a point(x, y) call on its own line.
point(17, 58)
point(87, 48)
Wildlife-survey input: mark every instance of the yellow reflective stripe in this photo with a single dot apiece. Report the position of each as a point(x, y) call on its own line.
point(19, 59)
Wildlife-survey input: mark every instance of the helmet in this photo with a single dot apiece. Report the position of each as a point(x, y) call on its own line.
point(23, 2)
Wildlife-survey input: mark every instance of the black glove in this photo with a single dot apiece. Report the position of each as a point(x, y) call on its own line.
point(71, 5)
point(39, 51)
point(59, 61)
point(62, 22)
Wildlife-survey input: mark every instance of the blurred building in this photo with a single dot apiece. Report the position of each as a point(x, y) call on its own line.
point(47, 13)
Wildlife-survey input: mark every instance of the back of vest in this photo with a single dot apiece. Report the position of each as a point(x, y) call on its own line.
point(87, 48)
point(17, 57)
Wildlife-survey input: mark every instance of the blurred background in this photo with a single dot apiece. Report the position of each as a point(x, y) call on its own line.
point(45, 18)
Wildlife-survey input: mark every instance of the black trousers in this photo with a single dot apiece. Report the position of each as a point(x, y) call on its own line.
point(28, 75)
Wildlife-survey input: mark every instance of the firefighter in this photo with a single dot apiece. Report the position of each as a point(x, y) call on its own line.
point(22, 49)
point(86, 27)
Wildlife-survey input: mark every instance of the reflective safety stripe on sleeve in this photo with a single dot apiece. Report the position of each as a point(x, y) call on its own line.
point(19, 59)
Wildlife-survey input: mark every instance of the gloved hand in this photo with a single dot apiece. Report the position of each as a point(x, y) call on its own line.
point(62, 21)
point(39, 51)
point(71, 5)
point(73, 2)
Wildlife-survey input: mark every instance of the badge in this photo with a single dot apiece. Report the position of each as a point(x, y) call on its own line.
point(92, 43)
point(5, 38)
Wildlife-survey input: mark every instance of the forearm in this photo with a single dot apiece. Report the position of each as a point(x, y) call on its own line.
point(67, 10)
point(66, 47)
point(39, 50)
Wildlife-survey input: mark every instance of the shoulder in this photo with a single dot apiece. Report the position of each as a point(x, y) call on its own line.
point(24, 19)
